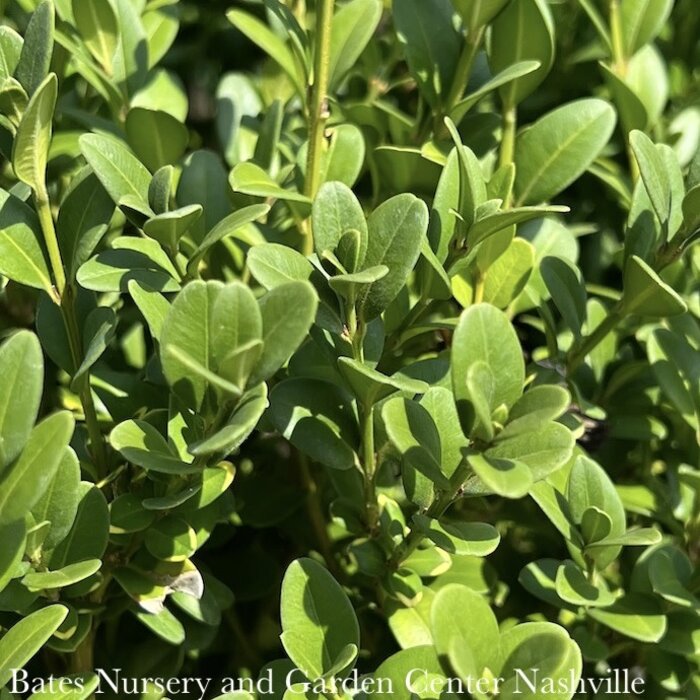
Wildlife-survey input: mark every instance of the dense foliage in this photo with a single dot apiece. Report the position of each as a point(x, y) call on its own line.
point(350, 335)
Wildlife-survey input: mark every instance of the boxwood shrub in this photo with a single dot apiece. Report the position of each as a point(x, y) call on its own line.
point(349, 349)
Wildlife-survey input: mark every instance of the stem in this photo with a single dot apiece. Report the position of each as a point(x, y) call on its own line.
point(89, 412)
point(315, 511)
point(619, 56)
point(593, 339)
point(65, 298)
point(50, 239)
point(436, 510)
point(369, 462)
point(464, 67)
point(510, 121)
point(479, 287)
point(319, 112)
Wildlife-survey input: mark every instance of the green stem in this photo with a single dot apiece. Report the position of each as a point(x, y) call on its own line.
point(50, 239)
point(319, 111)
point(464, 67)
point(618, 48)
point(436, 510)
point(510, 122)
point(66, 300)
point(369, 463)
point(591, 341)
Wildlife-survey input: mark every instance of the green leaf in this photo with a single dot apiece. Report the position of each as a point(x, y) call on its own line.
point(524, 31)
point(573, 587)
point(413, 433)
point(559, 147)
point(171, 539)
point(316, 417)
point(544, 450)
point(566, 287)
point(541, 403)
point(431, 44)
point(474, 628)
point(88, 536)
point(98, 332)
point(31, 147)
point(141, 444)
point(274, 47)
point(336, 212)
point(352, 28)
point(251, 179)
point(395, 230)
point(506, 477)
point(83, 218)
point(398, 667)
point(507, 75)
point(10, 50)
point(460, 538)
point(508, 275)
point(227, 227)
point(588, 486)
point(130, 60)
point(21, 384)
point(484, 334)
point(25, 481)
point(370, 386)
point(543, 646)
point(130, 258)
point(208, 323)
point(204, 181)
point(483, 228)
point(21, 253)
point(238, 427)
point(168, 228)
point(97, 23)
point(120, 172)
point(287, 314)
point(653, 172)
point(156, 137)
point(67, 576)
point(273, 264)
point(35, 58)
point(127, 514)
point(25, 639)
point(153, 305)
point(636, 616)
point(164, 625)
point(14, 537)
point(639, 537)
point(647, 294)
point(318, 620)
point(641, 21)
point(59, 503)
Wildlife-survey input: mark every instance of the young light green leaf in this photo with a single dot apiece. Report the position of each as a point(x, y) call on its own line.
point(141, 444)
point(115, 165)
point(31, 147)
point(97, 23)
